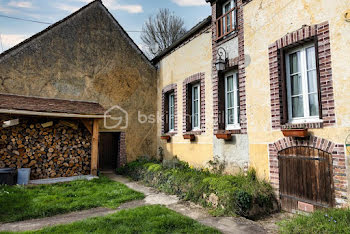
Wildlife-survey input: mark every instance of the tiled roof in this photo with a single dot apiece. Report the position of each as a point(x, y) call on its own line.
point(49, 105)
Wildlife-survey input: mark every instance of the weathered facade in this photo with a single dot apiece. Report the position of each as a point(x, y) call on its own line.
point(284, 74)
point(88, 57)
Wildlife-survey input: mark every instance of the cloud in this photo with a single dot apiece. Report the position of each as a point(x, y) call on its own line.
point(20, 4)
point(190, 2)
point(65, 7)
point(7, 10)
point(10, 40)
point(113, 5)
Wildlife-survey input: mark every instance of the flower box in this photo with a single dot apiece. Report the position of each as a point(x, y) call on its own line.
point(224, 136)
point(295, 132)
point(166, 138)
point(190, 137)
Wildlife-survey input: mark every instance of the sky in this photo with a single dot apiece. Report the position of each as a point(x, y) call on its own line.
point(131, 14)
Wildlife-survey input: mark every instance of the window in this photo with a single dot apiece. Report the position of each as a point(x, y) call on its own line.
point(195, 107)
point(302, 84)
point(171, 112)
point(226, 8)
point(231, 101)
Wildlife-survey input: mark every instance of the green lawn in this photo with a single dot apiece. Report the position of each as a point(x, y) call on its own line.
point(145, 219)
point(327, 221)
point(20, 203)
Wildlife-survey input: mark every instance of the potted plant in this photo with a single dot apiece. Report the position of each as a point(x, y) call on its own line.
point(224, 136)
point(295, 132)
point(190, 137)
point(165, 137)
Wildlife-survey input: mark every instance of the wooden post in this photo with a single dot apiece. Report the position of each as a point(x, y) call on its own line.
point(94, 147)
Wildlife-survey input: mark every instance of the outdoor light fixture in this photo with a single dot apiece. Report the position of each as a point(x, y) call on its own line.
point(221, 61)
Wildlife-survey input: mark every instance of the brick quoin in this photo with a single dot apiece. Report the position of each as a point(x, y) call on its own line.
point(239, 62)
point(199, 77)
point(338, 163)
point(165, 90)
point(320, 33)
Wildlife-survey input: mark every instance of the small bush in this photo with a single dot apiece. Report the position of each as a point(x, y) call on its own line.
point(241, 194)
point(326, 221)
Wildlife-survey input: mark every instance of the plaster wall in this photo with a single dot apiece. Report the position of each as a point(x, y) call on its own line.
point(193, 57)
point(231, 48)
point(88, 57)
point(265, 21)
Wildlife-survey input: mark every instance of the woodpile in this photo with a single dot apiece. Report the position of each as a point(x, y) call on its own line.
point(51, 148)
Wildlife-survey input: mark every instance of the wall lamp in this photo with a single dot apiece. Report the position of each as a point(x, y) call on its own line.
point(220, 63)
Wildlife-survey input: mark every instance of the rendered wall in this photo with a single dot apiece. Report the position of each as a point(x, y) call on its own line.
point(88, 57)
point(264, 23)
point(191, 58)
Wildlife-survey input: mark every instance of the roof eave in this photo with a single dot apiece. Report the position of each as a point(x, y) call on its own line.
point(51, 114)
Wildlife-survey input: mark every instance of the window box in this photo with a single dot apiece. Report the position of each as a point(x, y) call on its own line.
point(190, 137)
point(224, 136)
point(166, 138)
point(301, 132)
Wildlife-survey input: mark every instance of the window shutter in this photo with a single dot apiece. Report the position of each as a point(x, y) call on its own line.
point(166, 113)
point(221, 102)
point(188, 107)
point(318, 79)
point(283, 88)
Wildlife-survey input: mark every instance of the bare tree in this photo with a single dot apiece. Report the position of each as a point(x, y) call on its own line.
point(161, 30)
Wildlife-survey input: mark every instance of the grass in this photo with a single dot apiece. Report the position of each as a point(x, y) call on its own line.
point(145, 219)
point(326, 221)
point(21, 203)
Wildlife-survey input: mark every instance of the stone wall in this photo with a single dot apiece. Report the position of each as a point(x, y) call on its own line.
point(55, 151)
point(88, 57)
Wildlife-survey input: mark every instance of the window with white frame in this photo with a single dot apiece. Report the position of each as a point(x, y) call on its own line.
point(302, 85)
point(231, 101)
point(227, 21)
point(196, 106)
point(171, 111)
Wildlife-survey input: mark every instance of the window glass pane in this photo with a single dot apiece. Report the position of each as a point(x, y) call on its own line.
point(195, 121)
point(229, 100)
point(230, 116)
point(293, 63)
point(296, 84)
point(312, 81)
point(297, 106)
point(195, 107)
point(310, 58)
point(313, 104)
point(229, 83)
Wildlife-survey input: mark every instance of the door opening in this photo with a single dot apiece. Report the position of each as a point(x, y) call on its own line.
point(108, 150)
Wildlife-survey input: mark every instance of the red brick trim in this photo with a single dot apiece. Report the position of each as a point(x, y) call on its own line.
point(320, 32)
point(122, 150)
point(302, 125)
point(240, 62)
point(167, 89)
point(338, 157)
point(199, 77)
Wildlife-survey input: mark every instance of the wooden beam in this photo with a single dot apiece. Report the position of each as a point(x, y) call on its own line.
point(94, 147)
point(87, 124)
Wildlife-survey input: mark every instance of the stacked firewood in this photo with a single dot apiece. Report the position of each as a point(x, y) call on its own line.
point(51, 148)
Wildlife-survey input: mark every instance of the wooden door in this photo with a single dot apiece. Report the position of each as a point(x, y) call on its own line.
point(305, 177)
point(108, 151)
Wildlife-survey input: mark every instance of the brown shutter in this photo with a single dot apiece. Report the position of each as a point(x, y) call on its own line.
point(318, 78)
point(166, 113)
point(283, 88)
point(221, 102)
point(188, 107)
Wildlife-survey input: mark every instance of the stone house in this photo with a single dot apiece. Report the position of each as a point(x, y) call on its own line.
point(260, 84)
point(60, 80)
point(263, 84)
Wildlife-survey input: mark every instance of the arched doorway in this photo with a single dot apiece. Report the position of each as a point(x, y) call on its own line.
point(305, 177)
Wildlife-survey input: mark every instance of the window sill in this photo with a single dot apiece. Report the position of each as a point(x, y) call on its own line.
point(171, 133)
point(193, 132)
point(232, 131)
point(309, 125)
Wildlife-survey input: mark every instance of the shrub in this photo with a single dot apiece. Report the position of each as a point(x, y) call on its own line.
point(240, 194)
